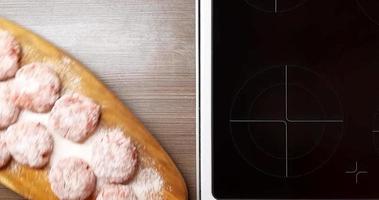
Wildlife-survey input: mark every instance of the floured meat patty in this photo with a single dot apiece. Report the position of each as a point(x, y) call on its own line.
point(74, 117)
point(36, 87)
point(9, 55)
point(116, 192)
point(29, 143)
point(114, 157)
point(72, 179)
point(5, 156)
point(9, 112)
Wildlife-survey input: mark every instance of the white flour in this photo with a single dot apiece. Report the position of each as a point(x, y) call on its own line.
point(147, 184)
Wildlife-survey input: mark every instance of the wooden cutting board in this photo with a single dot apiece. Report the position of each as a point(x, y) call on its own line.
point(32, 183)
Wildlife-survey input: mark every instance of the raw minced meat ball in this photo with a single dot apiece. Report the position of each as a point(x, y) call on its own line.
point(29, 143)
point(36, 87)
point(9, 112)
point(72, 179)
point(116, 192)
point(9, 55)
point(74, 116)
point(114, 157)
point(5, 156)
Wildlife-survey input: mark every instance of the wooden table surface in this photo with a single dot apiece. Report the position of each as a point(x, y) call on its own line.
point(144, 50)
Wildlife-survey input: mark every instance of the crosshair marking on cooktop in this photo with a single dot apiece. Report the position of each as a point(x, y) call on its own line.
point(356, 172)
point(275, 6)
point(286, 122)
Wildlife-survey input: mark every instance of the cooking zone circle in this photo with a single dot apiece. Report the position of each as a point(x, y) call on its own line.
point(276, 6)
point(370, 9)
point(286, 121)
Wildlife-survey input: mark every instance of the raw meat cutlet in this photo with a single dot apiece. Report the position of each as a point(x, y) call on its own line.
point(36, 87)
point(9, 55)
point(5, 156)
point(8, 110)
point(8, 113)
point(116, 192)
point(74, 117)
point(29, 143)
point(114, 157)
point(72, 179)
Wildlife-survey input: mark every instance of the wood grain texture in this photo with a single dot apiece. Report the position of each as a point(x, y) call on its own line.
point(143, 50)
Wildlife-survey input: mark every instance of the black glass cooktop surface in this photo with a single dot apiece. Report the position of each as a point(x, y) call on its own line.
point(295, 99)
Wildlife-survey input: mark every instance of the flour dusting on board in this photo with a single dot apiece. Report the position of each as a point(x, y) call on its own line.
point(70, 80)
point(147, 184)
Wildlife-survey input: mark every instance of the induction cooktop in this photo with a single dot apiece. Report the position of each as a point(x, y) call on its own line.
point(295, 99)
